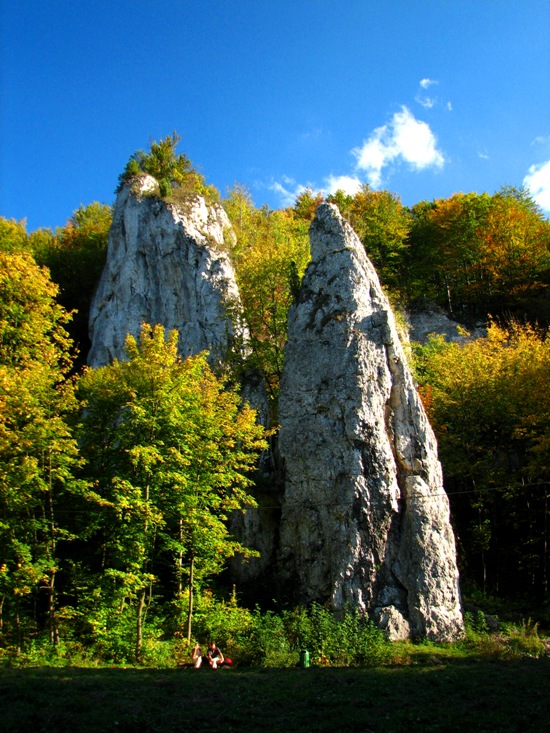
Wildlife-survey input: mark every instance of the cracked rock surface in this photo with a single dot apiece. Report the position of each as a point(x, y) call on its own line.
point(166, 264)
point(365, 518)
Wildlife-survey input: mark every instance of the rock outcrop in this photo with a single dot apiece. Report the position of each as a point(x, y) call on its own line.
point(365, 518)
point(427, 318)
point(166, 264)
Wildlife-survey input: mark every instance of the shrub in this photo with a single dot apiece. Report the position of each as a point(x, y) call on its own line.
point(178, 180)
point(350, 640)
point(165, 188)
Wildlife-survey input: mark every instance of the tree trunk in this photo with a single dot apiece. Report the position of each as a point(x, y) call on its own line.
point(449, 300)
point(17, 624)
point(139, 627)
point(179, 569)
point(190, 609)
point(545, 549)
point(54, 628)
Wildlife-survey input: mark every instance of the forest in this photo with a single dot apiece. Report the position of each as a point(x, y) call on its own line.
point(116, 483)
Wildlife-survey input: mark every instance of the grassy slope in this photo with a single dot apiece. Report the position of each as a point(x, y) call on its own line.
point(439, 695)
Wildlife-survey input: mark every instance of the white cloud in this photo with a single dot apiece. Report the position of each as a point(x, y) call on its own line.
point(538, 181)
point(374, 155)
point(404, 138)
point(288, 190)
point(426, 102)
point(348, 184)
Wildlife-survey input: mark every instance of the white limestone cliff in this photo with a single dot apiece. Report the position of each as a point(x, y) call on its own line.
point(166, 264)
point(365, 518)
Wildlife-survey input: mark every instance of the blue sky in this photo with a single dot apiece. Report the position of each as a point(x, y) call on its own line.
point(423, 98)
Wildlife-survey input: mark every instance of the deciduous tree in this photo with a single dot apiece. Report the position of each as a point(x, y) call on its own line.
point(75, 256)
point(38, 453)
point(270, 256)
point(489, 403)
point(171, 453)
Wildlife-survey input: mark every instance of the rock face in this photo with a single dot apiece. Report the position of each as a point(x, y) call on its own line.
point(429, 319)
point(165, 264)
point(365, 518)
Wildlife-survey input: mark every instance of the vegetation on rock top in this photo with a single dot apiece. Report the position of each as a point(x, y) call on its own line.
point(178, 180)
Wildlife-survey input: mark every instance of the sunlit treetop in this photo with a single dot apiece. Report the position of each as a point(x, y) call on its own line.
point(174, 172)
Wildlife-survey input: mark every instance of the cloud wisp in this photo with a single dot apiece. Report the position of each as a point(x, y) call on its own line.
point(287, 190)
point(422, 99)
point(538, 182)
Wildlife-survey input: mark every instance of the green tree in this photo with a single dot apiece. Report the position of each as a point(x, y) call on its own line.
point(174, 172)
point(344, 202)
point(75, 256)
point(38, 453)
point(306, 204)
point(382, 223)
point(170, 451)
point(270, 256)
point(489, 405)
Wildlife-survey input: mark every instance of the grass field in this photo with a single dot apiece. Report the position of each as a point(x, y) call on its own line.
point(435, 694)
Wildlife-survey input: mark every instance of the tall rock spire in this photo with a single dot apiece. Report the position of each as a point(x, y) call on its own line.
point(365, 518)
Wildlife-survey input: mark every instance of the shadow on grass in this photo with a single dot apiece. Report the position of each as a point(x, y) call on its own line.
point(459, 696)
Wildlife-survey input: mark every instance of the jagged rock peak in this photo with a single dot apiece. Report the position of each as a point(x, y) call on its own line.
point(365, 518)
point(167, 264)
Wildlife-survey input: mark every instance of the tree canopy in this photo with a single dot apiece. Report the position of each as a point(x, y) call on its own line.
point(75, 256)
point(174, 172)
point(170, 452)
point(270, 257)
point(489, 403)
point(114, 497)
point(38, 451)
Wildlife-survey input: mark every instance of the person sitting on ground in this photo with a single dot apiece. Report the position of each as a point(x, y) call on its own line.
point(196, 656)
point(215, 657)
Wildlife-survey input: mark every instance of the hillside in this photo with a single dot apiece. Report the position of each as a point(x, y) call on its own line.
point(479, 260)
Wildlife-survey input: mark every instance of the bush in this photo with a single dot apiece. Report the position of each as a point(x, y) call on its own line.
point(165, 188)
point(178, 180)
point(268, 644)
point(224, 622)
point(269, 639)
point(350, 640)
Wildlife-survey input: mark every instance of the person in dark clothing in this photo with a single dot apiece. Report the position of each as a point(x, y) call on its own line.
point(214, 656)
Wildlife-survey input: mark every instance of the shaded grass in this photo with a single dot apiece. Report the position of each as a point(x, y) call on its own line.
point(436, 694)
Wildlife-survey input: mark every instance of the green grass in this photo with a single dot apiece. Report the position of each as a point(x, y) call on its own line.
point(431, 693)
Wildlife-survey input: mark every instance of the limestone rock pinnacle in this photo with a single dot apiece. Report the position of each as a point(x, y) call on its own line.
point(365, 518)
